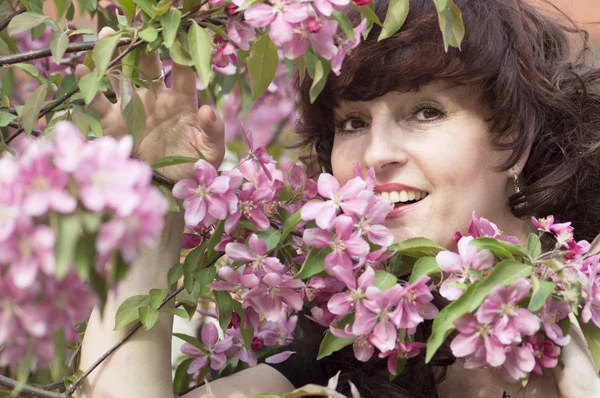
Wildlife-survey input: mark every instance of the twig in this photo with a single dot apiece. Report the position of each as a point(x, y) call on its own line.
point(30, 390)
point(34, 132)
point(46, 52)
point(5, 23)
point(53, 386)
point(162, 180)
point(276, 225)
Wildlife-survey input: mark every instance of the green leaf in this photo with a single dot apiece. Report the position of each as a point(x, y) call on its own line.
point(190, 340)
point(322, 68)
point(128, 310)
point(180, 312)
point(162, 7)
point(67, 237)
point(190, 265)
point(85, 256)
point(416, 246)
point(149, 34)
point(200, 50)
point(181, 380)
point(147, 6)
point(31, 109)
point(89, 86)
point(179, 55)
point(103, 51)
point(81, 31)
point(271, 236)
point(592, 337)
point(172, 161)
point(440, 5)
point(170, 22)
point(493, 245)
point(224, 303)
point(504, 273)
point(148, 316)
point(157, 297)
point(424, 266)
point(59, 41)
point(534, 245)
point(204, 277)
point(368, 12)
point(384, 280)
point(132, 107)
point(6, 118)
point(31, 70)
point(25, 21)
point(451, 25)
point(175, 273)
point(541, 290)
point(215, 28)
point(314, 263)
point(331, 344)
point(289, 224)
point(394, 19)
point(127, 6)
point(344, 23)
point(262, 64)
point(215, 238)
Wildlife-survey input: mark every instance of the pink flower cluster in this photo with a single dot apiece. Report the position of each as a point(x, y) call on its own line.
point(49, 180)
point(506, 336)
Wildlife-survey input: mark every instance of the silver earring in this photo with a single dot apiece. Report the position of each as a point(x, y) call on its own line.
point(516, 181)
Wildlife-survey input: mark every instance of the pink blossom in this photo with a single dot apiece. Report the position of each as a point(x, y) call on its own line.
point(347, 46)
point(520, 361)
point(543, 224)
point(459, 265)
point(552, 312)
point(44, 184)
point(590, 289)
point(268, 297)
point(342, 303)
point(278, 331)
point(484, 227)
point(345, 244)
point(279, 357)
point(562, 231)
point(477, 339)
point(415, 304)
point(233, 281)
point(251, 201)
point(401, 350)
point(255, 256)
point(546, 353)
point(344, 198)
point(281, 17)
point(204, 197)
point(325, 7)
point(214, 350)
point(368, 223)
point(240, 33)
point(363, 349)
point(321, 315)
point(511, 321)
point(318, 32)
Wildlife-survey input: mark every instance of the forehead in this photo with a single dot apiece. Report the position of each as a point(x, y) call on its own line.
point(446, 94)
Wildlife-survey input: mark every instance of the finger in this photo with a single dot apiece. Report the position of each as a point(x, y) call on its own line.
point(100, 105)
point(113, 78)
point(151, 67)
point(184, 79)
point(212, 140)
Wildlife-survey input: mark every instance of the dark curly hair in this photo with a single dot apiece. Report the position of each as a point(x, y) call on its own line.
point(535, 72)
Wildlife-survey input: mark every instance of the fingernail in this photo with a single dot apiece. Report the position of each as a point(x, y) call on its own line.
point(213, 115)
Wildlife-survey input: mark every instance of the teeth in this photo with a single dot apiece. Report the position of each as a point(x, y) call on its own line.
point(403, 196)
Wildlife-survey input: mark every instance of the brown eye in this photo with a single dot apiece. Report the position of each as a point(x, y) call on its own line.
point(353, 124)
point(428, 114)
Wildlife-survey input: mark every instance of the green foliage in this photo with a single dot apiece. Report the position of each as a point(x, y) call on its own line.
point(313, 264)
point(262, 64)
point(200, 50)
point(592, 337)
point(417, 247)
point(68, 231)
point(25, 21)
point(451, 24)
point(128, 311)
point(384, 280)
point(424, 266)
point(331, 344)
point(394, 18)
point(224, 303)
point(541, 290)
point(32, 107)
point(504, 273)
point(58, 45)
point(170, 23)
point(172, 161)
point(322, 68)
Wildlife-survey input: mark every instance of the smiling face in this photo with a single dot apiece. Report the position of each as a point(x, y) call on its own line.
point(433, 144)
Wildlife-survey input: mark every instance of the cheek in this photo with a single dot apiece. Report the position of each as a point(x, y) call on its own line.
point(345, 152)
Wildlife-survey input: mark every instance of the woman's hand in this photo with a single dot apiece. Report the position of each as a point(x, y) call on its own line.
point(174, 124)
point(578, 379)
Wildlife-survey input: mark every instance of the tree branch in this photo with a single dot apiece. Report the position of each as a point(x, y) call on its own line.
point(46, 52)
point(30, 390)
point(5, 23)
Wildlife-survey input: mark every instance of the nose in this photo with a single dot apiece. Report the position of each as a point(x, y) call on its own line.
point(384, 150)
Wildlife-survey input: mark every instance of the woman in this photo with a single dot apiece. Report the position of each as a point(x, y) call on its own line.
point(508, 127)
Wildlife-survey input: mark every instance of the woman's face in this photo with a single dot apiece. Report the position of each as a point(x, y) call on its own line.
point(433, 144)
